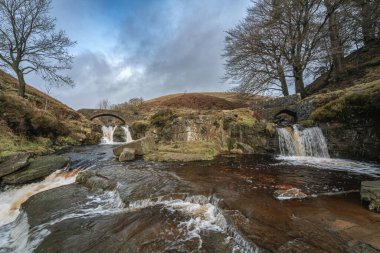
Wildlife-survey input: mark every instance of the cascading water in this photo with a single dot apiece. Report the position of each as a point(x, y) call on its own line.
point(108, 133)
point(302, 142)
point(128, 136)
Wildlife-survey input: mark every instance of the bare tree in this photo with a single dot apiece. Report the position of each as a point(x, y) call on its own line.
point(29, 43)
point(364, 20)
point(104, 104)
point(253, 55)
point(336, 49)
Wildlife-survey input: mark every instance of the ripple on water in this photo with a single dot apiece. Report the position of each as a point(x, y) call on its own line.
point(370, 169)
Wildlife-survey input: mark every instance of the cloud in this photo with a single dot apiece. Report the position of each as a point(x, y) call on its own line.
point(145, 48)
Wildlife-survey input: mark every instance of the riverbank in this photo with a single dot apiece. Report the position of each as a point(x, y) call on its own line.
point(39, 124)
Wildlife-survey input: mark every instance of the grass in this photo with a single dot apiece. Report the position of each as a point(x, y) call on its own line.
point(359, 101)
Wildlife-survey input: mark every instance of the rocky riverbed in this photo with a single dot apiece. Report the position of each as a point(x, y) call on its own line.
point(224, 205)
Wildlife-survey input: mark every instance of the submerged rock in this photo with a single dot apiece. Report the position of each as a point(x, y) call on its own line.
point(13, 163)
point(141, 146)
point(95, 182)
point(128, 154)
point(370, 194)
point(293, 193)
point(38, 168)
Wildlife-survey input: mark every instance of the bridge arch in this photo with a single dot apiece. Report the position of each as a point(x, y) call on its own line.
point(108, 114)
point(285, 116)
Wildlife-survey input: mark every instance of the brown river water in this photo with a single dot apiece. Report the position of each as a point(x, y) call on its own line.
point(224, 205)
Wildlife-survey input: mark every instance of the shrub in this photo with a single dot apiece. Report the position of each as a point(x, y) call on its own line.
point(163, 118)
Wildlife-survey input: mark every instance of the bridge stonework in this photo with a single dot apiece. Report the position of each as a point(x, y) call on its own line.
point(95, 113)
point(270, 107)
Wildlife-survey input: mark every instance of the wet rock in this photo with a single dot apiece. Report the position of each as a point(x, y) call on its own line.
point(128, 154)
point(38, 168)
point(245, 148)
point(293, 193)
point(43, 206)
point(95, 182)
point(370, 194)
point(141, 146)
point(13, 163)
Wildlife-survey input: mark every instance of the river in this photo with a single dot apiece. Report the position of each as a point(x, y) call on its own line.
point(224, 205)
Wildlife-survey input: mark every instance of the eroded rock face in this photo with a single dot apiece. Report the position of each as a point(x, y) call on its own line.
point(38, 168)
point(128, 154)
point(141, 146)
point(370, 194)
point(13, 163)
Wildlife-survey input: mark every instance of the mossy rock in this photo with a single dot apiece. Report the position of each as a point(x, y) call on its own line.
point(38, 168)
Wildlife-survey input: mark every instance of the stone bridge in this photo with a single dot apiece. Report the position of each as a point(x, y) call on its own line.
point(271, 108)
point(95, 113)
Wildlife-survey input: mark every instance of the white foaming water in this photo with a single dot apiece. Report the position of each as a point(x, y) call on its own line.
point(306, 142)
point(204, 216)
point(370, 169)
point(12, 198)
point(128, 136)
point(18, 237)
point(108, 132)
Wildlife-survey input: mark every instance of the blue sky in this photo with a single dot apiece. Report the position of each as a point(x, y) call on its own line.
point(143, 48)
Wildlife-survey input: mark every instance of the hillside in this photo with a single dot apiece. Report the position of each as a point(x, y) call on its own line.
point(361, 66)
point(37, 123)
point(201, 101)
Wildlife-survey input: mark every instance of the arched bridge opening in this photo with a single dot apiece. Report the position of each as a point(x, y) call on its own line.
point(285, 117)
point(109, 115)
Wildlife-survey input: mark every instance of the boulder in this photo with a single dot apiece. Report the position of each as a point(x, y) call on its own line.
point(293, 193)
point(38, 168)
point(13, 163)
point(128, 154)
point(245, 148)
point(370, 194)
point(141, 146)
point(95, 182)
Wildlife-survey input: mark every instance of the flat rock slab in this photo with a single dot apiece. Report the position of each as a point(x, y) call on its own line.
point(141, 146)
point(13, 163)
point(38, 168)
point(293, 193)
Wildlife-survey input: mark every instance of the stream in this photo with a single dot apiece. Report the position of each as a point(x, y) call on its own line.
point(224, 205)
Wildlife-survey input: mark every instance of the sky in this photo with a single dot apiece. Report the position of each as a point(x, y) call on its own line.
point(143, 48)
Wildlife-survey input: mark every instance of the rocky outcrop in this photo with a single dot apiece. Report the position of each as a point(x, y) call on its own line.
point(353, 141)
point(141, 146)
point(38, 168)
point(13, 163)
point(370, 194)
point(128, 154)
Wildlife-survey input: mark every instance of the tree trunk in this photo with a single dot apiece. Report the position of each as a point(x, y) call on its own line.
point(368, 24)
point(284, 85)
point(21, 81)
point(298, 78)
point(336, 49)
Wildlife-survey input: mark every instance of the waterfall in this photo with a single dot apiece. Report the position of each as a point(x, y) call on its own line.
point(302, 142)
point(128, 136)
point(108, 134)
